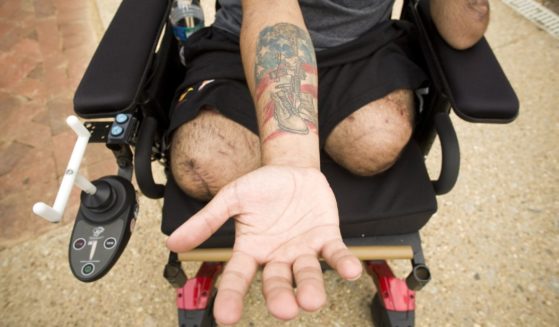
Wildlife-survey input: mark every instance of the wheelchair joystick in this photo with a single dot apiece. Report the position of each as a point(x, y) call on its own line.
point(103, 227)
point(105, 219)
point(100, 200)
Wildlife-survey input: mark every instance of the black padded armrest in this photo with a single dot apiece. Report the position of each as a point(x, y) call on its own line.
point(471, 79)
point(113, 79)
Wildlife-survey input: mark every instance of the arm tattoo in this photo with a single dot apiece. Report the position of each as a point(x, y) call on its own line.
point(286, 68)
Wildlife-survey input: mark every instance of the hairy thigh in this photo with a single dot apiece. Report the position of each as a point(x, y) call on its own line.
point(370, 140)
point(210, 151)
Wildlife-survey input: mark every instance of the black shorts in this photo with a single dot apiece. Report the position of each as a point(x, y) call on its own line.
point(349, 76)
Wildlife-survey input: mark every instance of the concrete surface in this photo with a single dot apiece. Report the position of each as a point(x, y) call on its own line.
point(550, 4)
point(492, 247)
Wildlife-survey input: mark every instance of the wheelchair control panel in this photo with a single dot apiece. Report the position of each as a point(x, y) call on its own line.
point(103, 227)
point(109, 206)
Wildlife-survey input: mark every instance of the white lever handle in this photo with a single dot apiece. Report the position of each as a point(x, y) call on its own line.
point(71, 176)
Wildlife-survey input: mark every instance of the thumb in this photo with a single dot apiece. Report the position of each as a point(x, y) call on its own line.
point(205, 222)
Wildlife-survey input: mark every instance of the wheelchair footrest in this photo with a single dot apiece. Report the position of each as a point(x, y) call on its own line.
point(394, 303)
point(195, 298)
point(388, 318)
point(195, 318)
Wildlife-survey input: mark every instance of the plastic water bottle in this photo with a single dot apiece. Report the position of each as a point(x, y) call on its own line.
point(186, 17)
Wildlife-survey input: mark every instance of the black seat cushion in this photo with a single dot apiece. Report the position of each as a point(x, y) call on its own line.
point(400, 200)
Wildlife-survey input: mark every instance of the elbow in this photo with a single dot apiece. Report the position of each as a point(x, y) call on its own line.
point(470, 35)
point(462, 28)
point(465, 40)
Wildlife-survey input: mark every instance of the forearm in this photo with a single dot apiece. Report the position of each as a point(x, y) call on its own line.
point(460, 22)
point(280, 68)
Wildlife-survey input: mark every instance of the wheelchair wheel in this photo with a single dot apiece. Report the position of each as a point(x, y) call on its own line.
point(198, 318)
point(387, 318)
point(376, 311)
point(210, 311)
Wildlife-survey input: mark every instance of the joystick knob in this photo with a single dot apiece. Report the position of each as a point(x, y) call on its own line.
point(101, 200)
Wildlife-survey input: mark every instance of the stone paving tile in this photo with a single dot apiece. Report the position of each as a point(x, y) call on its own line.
point(10, 156)
point(15, 219)
point(29, 172)
point(37, 135)
point(45, 46)
point(44, 8)
point(48, 37)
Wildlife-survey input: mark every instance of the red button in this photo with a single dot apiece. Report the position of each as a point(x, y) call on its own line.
point(79, 244)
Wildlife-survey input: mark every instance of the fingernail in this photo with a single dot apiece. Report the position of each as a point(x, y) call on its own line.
point(355, 278)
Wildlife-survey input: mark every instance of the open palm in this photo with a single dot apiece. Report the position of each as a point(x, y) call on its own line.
point(285, 218)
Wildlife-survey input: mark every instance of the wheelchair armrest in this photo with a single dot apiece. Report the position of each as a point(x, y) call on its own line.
point(450, 151)
point(472, 79)
point(118, 69)
point(142, 160)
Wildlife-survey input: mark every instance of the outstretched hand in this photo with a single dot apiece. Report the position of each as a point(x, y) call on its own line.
point(285, 218)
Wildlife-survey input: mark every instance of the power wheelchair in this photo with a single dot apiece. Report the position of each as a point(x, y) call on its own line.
point(132, 80)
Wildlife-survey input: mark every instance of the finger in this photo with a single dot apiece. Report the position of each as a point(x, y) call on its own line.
point(205, 222)
point(234, 284)
point(311, 295)
point(277, 286)
point(342, 260)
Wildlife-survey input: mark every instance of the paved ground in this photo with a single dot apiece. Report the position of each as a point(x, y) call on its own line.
point(492, 247)
point(551, 4)
point(45, 46)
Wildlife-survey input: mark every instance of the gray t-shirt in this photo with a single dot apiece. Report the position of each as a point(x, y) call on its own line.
point(330, 22)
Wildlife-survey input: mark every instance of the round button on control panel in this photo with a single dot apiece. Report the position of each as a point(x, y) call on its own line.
point(79, 244)
point(88, 269)
point(121, 118)
point(109, 243)
point(116, 130)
